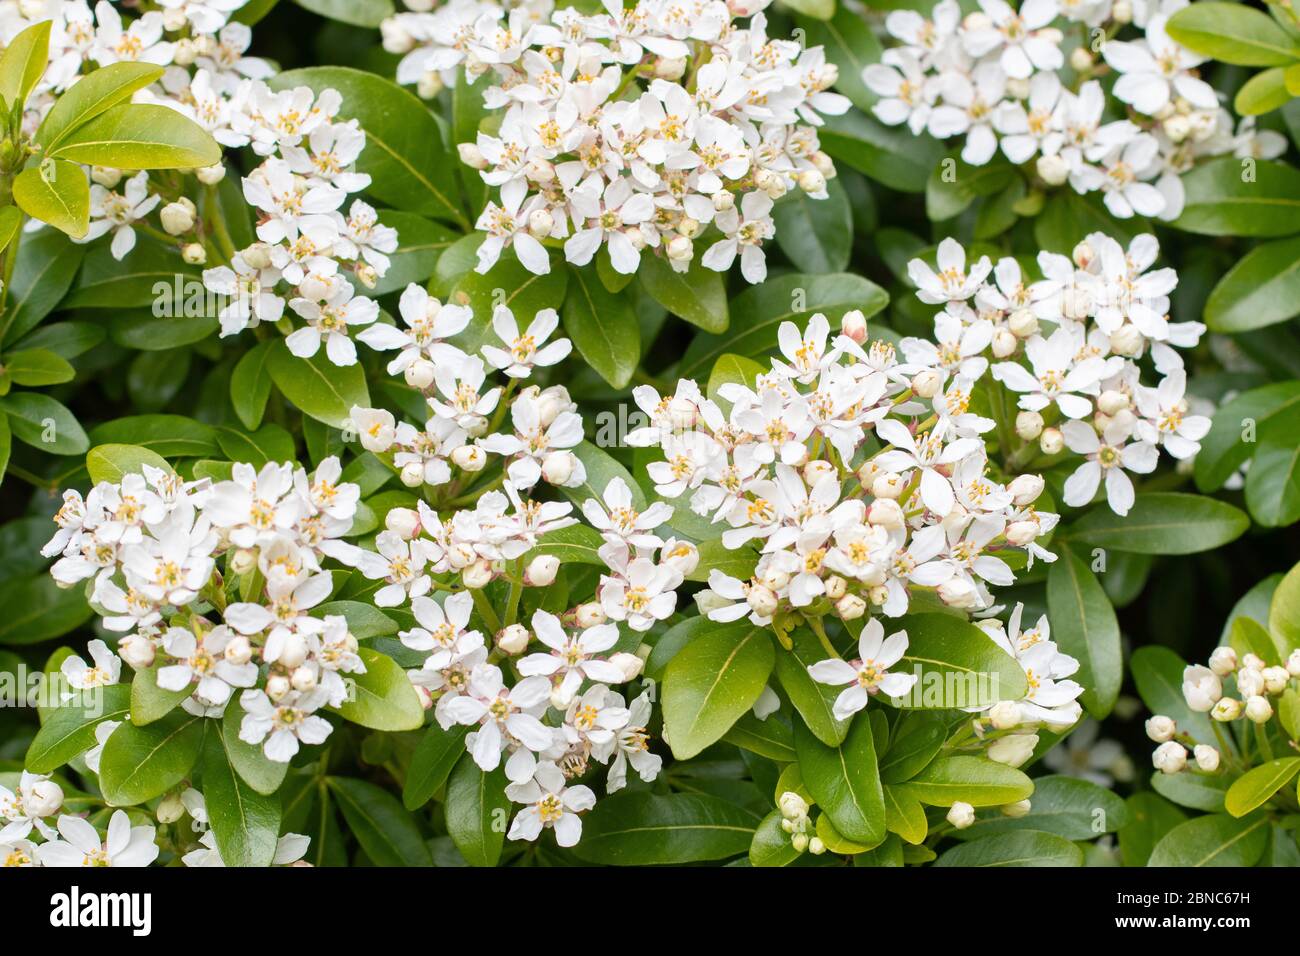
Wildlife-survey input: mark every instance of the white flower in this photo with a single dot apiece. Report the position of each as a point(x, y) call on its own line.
point(282, 724)
point(107, 668)
point(550, 804)
point(1110, 455)
point(117, 212)
point(1202, 688)
point(330, 321)
point(1056, 376)
point(1155, 69)
point(1020, 36)
point(506, 716)
point(201, 663)
point(570, 659)
point(126, 845)
point(618, 520)
point(525, 351)
point(1165, 419)
point(952, 283)
point(744, 231)
point(868, 674)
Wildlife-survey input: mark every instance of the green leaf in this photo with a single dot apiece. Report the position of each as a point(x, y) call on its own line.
point(508, 284)
point(1222, 201)
point(383, 698)
point(768, 738)
point(1213, 840)
point(420, 244)
point(1232, 33)
point(1262, 93)
point(246, 824)
point(36, 609)
point(1085, 627)
point(172, 436)
point(250, 761)
point(813, 701)
point(1273, 482)
point(23, 63)
point(1158, 673)
point(711, 682)
point(358, 13)
point(1149, 818)
point(845, 780)
point(47, 263)
point(386, 832)
point(698, 295)
point(1163, 523)
point(36, 367)
point(110, 462)
point(758, 312)
point(817, 234)
point(1022, 848)
point(90, 96)
point(1196, 790)
point(917, 739)
point(1284, 613)
point(602, 468)
point(477, 811)
point(149, 702)
point(1261, 289)
point(1256, 787)
point(55, 192)
point(431, 764)
point(636, 828)
point(404, 155)
point(904, 814)
point(364, 620)
point(318, 387)
point(140, 136)
point(957, 663)
point(1225, 448)
point(250, 384)
point(771, 845)
point(574, 544)
point(6, 445)
point(730, 369)
point(891, 155)
point(140, 763)
point(603, 328)
point(818, 9)
point(974, 780)
point(44, 424)
point(70, 728)
point(11, 218)
point(953, 186)
point(269, 443)
point(1066, 806)
point(1248, 636)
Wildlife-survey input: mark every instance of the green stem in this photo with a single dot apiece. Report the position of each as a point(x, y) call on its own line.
point(815, 625)
point(485, 610)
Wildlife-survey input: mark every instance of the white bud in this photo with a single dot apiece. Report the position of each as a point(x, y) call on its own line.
point(557, 467)
point(137, 650)
point(1004, 343)
point(412, 474)
point(817, 469)
point(961, 815)
point(1023, 323)
point(723, 200)
point(885, 512)
point(836, 587)
point(1252, 661)
point(540, 171)
point(277, 685)
point(425, 697)
point(889, 485)
point(1293, 664)
point(403, 522)
point(1127, 340)
point(680, 249)
point(541, 571)
point(825, 165)
point(396, 39)
point(589, 615)
point(854, 326)
point(293, 650)
point(1029, 425)
point(1013, 750)
point(469, 458)
point(816, 847)
point(106, 176)
point(170, 808)
point(793, 806)
point(1170, 757)
point(1051, 441)
point(958, 592)
point(1081, 59)
point(1016, 810)
point(688, 228)
point(239, 651)
point(1207, 758)
point(1025, 489)
point(762, 600)
point(430, 85)
point(850, 607)
point(419, 374)
point(630, 664)
point(42, 798)
point(1005, 714)
point(1161, 728)
point(540, 223)
point(477, 575)
point(682, 556)
point(927, 384)
point(774, 579)
point(303, 679)
point(1177, 128)
point(1052, 170)
point(211, 175)
point(1259, 710)
point(1112, 402)
point(1201, 687)
point(1226, 710)
point(812, 181)
point(799, 841)
point(258, 255)
point(514, 639)
point(670, 68)
point(194, 254)
point(1250, 683)
point(471, 155)
point(177, 217)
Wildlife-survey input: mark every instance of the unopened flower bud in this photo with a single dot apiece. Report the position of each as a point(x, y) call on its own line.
point(1025, 489)
point(170, 808)
point(825, 165)
point(590, 614)
point(1170, 757)
point(1081, 59)
point(1112, 402)
point(958, 592)
point(1016, 810)
point(303, 679)
point(403, 522)
point(419, 374)
point(194, 254)
point(42, 799)
point(540, 223)
point(680, 249)
point(670, 68)
point(1252, 661)
point(885, 512)
point(239, 651)
point(424, 696)
point(1293, 663)
point(430, 85)
point(1005, 715)
point(1161, 728)
point(1259, 710)
point(257, 256)
point(723, 200)
point(1004, 343)
point(961, 815)
point(1177, 128)
point(211, 175)
point(469, 458)
point(541, 571)
point(514, 639)
point(1207, 758)
point(854, 325)
point(812, 181)
point(412, 474)
point(477, 575)
point(836, 587)
point(1250, 683)
point(850, 607)
point(1012, 750)
point(630, 664)
point(1226, 709)
point(1126, 340)
point(1029, 425)
point(1083, 254)
point(927, 384)
point(792, 806)
point(137, 650)
point(1053, 170)
point(471, 155)
point(106, 176)
point(277, 686)
point(762, 600)
point(177, 217)
point(293, 650)
point(1023, 323)
point(1122, 11)
point(557, 467)
point(1051, 441)
point(800, 842)
point(888, 485)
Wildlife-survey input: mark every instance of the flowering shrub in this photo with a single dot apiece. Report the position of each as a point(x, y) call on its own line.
point(631, 422)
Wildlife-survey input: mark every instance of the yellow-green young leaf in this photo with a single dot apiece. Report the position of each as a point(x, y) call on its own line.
point(11, 217)
point(1216, 839)
point(1248, 636)
point(732, 369)
point(90, 96)
point(23, 62)
point(1233, 33)
point(974, 780)
point(1255, 787)
point(1262, 93)
point(359, 13)
point(55, 192)
point(36, 367)
point(1284, 613)
point(110, 462)
point(711, 682)
point(819, 9)
point(1025, 848)
point(1291, 77)
point(141, 136)
point(382, 698)
point(904, 814)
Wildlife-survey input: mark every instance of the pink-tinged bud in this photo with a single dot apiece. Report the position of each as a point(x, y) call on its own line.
point(403, 522)
point(854, 326)
point(477, 575)
point(426, 698)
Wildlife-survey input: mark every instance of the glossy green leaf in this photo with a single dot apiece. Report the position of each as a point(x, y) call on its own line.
point(974, 780)
point(431, 764)
point(70, 729)
point(845, 780)
point(140, 136)
point(603, 328)
point(636, 828)
point(1162, 523)
point(478, 812)
point(1213, 840)
point(1223, 200)
point(92, 95)
point(140, 763)
point(246, 824)
point(386, 832)
point(23, 62)
point(382, 698)
point(698, 295)
point(1233, 33)
point(1085, 627)
point(110, 462)
point(318, 387)
point(1021, 848)
point(55, 192)
point(1256, 786)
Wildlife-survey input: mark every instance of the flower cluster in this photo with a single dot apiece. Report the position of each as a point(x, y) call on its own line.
point(1069, 346)
point(1254, 687)
point(634, 128)
point(150, 544)
point(306, 244)
point(72, 841)
point(995, 77)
